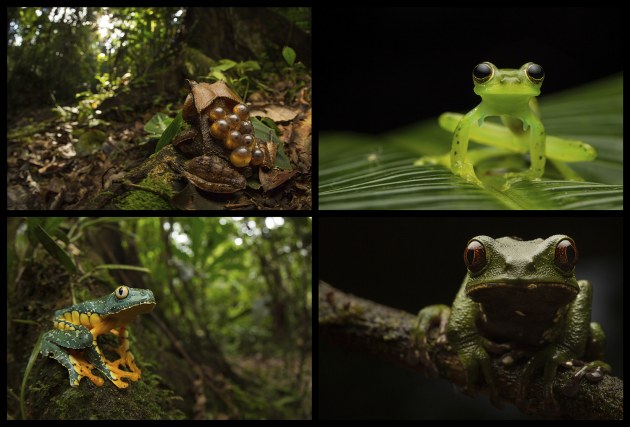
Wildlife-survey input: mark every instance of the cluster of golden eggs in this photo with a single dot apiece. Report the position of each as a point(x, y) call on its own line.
point(236, 131)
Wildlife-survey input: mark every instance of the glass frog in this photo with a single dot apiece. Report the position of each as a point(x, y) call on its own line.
point(520, 296)
point(73, 342)
point(510, 94)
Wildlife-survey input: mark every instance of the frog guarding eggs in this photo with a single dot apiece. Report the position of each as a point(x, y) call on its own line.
point(73, 342)
point(221, 140)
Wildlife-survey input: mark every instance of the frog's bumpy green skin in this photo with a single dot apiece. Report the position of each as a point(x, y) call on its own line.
point(523, 293)
point(73, 341)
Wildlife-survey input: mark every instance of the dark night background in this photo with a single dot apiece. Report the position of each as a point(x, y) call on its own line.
point(395, 66)
point(409, 263)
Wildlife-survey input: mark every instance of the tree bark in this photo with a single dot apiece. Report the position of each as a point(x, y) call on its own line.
point(386, 332)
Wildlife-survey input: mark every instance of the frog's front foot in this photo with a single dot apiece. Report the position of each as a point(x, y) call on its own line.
point(428, 318)
point(467, 171)
point(548, 359)
point(593, 372)
point(514, 177)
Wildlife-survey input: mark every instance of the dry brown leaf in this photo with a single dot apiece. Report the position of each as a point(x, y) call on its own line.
point(277, 113)
point(301, 139)
point(274, 178)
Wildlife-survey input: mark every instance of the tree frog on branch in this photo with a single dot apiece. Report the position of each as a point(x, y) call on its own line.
point(510, 94)
point(520, 296)
point(73, 341)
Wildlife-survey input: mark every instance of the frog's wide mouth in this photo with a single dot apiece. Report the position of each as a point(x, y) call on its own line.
point(554, 293)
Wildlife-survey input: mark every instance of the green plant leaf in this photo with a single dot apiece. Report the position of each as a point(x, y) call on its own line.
point(157, 125)
point(54, 249)
point(122, 267)
point(224, 65)
point(289, 55)
point(264, 132)
point(170, 132)
point(360, 171)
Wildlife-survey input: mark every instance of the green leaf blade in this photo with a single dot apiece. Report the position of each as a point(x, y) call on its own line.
point(54, 249)
point(289, 55)
point(170, 132)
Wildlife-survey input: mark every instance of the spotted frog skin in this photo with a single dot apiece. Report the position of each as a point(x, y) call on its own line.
point(510, 94)
point(73, 341)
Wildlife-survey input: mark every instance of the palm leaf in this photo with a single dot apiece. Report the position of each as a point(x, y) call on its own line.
point(376, 172)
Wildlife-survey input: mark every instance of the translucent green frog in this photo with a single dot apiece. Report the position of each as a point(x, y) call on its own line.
point(520, 299)
point(510, 94)
point(73, 341)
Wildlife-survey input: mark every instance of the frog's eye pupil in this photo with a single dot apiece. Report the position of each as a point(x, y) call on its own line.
point(475, 256)
point(566, 255)
point(482, 72)
point(535, 73)
point(121, 292)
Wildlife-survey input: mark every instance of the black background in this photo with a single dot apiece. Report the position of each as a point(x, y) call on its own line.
point(409, 263)
point(382, 68)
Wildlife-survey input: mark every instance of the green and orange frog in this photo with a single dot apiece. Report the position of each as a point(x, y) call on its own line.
point(73, 341)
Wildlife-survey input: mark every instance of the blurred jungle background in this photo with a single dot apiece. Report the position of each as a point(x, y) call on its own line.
point(91, 90)
point(230, 337)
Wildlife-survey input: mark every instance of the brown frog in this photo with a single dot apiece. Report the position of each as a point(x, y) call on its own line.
point(221, 139)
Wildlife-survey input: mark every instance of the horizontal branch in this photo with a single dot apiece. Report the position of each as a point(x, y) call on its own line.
point(366, 326)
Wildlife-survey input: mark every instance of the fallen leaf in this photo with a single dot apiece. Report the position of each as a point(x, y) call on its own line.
point(301, 147)
point(67, 151)
point(274, 178)
point(277, 113)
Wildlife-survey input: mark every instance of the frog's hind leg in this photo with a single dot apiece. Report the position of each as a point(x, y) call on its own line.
point(126, 358)
point(97, 358)
point(58, 344)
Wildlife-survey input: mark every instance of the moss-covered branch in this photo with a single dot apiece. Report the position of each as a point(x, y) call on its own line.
point(366, 326)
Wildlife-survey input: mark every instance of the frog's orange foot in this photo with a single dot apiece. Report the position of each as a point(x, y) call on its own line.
point(116, 368)
point(84, 369)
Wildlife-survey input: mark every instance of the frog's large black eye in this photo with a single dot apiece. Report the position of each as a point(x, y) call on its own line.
point(535, 73)
point(566, 255)
point(483, 72)
point(121, 292)
point(475, 256)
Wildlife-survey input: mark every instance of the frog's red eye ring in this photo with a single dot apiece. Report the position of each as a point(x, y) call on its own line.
point(121, 292)
point(566, 255)
point(535, 73)
point(483, 72)
point(475, 256)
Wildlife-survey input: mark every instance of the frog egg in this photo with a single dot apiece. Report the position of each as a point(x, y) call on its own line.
point(219, 129)
point(233, 140)
point(240, 157)
point(217, 113)
point(234, 121)
point(248, 141)
point(241, 111)
point(247, 127)
point(257, 156)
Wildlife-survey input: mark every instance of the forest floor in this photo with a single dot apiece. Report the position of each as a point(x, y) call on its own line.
point(55, 161)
